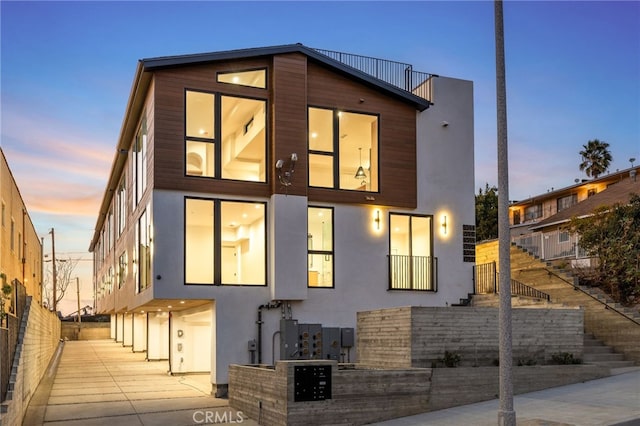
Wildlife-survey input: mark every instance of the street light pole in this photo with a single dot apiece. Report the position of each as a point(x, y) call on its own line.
point(506, 413)
point(53, 265)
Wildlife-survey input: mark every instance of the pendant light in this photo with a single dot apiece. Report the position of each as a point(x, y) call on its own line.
point(360, 172)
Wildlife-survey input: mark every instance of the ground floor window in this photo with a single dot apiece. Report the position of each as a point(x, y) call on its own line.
point(320, 246)
point(411, 261)
point(225, 242)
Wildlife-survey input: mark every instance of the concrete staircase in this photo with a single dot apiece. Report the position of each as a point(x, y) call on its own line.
point(596, 352)
point(609, 322)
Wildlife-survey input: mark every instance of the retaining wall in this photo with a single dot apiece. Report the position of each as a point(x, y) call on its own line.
point(39, 337)
point(419, 336)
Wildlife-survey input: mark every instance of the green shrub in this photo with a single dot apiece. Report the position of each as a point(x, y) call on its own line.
point(564, 358)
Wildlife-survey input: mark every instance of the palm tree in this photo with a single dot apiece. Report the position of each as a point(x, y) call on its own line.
point(595, 158)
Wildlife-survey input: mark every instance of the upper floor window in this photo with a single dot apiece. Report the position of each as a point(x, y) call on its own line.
point(143, 261)
point(320, 246)
point(343, 150)
point(121, 206)
point(13, 235)
point(122, 269)
point(516, 217)
point(566, 202)
point(533, 212)
point(4, 209)
point(225, 242)
point(253, 78)
point(225, 137)
point(411, 262)
point(140, 162)
point(591, 192)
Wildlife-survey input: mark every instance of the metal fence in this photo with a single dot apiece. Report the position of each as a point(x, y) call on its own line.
point(9, 336)
point(551, 245)
point(398, 74)
point(413, 273)
point(486, 281)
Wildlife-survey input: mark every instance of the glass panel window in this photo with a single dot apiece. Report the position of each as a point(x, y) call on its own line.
point(242, 252)
point(411, 261)
point(121, 206)
point(225, 137)
point(122, 269)
point(144, 251)
point(533, 212)
point(199, 241)
point(243, 139)
point(343, 150)
point(236, 253)
point(140, 161)
point(255, 78)
point(566, 202)
point(320, 246)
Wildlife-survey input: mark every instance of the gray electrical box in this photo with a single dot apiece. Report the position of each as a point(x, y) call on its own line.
point(331, 343)
point(289, 335)
point(346, 337)
point(310, 341)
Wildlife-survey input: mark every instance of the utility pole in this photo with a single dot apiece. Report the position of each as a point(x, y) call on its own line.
point(78, 290)
point(53, 265)
point(506, 413)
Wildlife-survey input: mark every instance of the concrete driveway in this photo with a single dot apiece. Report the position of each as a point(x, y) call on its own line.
point(99, 382)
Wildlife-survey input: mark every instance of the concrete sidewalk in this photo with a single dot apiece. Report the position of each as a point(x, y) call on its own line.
point(99, 382)
point(614, 400)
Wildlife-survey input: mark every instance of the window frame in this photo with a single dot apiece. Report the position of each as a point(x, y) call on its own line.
point(331, 252)
point(335, 154)
point(217, 241)
point(433, 273)
point(216, 140)
point(538, 212)
point(147, 262)
point(239, 71)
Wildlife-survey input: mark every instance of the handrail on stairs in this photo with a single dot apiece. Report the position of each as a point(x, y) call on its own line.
point(577, 288)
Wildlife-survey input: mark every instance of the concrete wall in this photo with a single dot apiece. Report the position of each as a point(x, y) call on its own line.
point(419, 336)
point(85, 331)
point(361, 395)
point(40, 338)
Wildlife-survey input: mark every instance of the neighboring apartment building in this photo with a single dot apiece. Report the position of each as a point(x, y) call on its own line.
point(523, 215)
point(20, 247)
point(254, 185)
point(546, 236)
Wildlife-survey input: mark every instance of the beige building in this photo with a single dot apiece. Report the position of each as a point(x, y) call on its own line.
point(20, 247)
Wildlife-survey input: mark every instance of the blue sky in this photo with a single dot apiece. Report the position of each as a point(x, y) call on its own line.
point(573, 74)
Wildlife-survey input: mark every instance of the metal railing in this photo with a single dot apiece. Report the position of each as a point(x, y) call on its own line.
point(486, 281)
point(551, 245)
point(397, 74)
point(9, 336)
point(413, 272)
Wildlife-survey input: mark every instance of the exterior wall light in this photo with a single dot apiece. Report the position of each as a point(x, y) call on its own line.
point(444, 224)
point(285, 176)
point(376, 220)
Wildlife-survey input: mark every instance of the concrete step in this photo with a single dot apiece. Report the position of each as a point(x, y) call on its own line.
point(597, 349)
point(614, 364)
point(604, 357)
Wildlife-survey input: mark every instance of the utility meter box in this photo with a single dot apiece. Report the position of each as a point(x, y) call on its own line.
point(346, 337)
point(289, 335)
point(310, 341)
point(331, 343)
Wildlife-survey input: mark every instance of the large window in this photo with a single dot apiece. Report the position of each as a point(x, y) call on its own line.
point(411, 262)
point(143, 260)
point(225, 137)
point(566, 202)
point(122, 269)
point(343, 150)
point(140, 162)
point(121, 206)
point(533, 212)
point(225, 242)
point(320, 246)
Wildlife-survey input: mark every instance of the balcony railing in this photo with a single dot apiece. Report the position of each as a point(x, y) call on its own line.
point(551, 245)
point(413, 272)
point(397, 74)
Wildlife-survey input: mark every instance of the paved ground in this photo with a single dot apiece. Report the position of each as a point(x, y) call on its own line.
point(101, 383)
point(98, 382)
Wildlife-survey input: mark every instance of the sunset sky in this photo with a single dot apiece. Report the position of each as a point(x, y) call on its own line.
point(573, 74)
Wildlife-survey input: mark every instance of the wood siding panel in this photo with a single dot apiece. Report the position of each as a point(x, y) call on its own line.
point(289, 118)
point(397, 137)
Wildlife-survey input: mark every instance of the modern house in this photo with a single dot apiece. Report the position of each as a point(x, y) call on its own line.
point(546, 235)
point(269, 194)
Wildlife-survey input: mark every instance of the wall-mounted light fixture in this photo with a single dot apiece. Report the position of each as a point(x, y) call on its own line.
point(444, 224)
point(285, 176)
point(376, 220)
